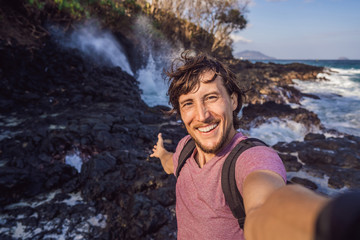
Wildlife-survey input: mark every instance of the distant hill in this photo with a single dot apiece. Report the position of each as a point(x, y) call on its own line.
point(252, 55)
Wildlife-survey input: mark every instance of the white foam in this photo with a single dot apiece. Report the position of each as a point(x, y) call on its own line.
point(152, 84)
point(73, 159)
point(280, 130)
point(57, 127)
point(338, 106)
point(350, 71)
point(20, 231)
point(75, 198)
point(98, 220)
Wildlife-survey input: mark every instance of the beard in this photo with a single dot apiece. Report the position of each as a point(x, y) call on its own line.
point(214, 149)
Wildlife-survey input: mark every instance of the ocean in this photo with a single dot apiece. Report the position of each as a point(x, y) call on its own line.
point(338, 107)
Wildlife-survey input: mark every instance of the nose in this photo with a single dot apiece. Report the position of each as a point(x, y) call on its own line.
point(202, 113)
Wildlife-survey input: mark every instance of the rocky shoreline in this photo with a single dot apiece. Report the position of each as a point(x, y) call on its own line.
point(55, 103)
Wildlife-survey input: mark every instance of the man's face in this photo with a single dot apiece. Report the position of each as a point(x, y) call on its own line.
point(208, 114)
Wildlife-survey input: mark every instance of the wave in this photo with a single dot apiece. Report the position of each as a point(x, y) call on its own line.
point(342, 71)
point(280, 130)
point(338, 106)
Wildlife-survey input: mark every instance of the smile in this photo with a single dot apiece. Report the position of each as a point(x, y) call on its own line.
point(208, 128)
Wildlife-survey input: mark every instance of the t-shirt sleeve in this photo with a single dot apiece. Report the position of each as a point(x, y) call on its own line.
point(179, 147)
point(258, 158)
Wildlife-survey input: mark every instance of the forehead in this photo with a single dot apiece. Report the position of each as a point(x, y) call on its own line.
point(206, 75)
point(206, 85)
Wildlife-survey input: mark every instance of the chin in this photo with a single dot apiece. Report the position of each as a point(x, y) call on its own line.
point(214, 148)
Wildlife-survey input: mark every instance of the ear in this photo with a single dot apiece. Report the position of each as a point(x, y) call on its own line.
point(234, 100)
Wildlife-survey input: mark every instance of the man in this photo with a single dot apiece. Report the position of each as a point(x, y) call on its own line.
point(206, 96)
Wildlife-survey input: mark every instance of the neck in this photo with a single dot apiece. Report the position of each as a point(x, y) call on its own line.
point(202, 157)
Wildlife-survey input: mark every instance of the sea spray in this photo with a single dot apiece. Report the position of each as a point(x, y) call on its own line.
point(159, 54)
point(95, 43)
point(152, 84)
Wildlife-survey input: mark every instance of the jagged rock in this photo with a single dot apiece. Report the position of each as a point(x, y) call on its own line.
point(270, 82)
point(314, 136)
point(256, 114)
point(338, 158)
point(305, 182)
point(291, 163)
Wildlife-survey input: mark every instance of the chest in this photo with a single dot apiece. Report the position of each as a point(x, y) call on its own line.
point(200, 188)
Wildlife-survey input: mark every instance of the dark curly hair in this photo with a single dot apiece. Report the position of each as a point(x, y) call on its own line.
point(183, 77)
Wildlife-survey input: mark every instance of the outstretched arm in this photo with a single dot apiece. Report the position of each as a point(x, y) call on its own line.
point(275, 211)
point(165, 156)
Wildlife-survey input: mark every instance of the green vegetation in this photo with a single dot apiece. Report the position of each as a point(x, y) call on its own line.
point(86, 8)
point(205, 25)
point(37, 3)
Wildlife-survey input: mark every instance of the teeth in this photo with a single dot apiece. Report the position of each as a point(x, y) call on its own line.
point(207, 129)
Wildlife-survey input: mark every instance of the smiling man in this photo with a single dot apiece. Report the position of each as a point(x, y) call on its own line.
point(204, 93)
point(207, 113)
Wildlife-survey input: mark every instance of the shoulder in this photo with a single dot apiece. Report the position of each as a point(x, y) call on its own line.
point(178, 150)
point(255, 159)
point(182, 143)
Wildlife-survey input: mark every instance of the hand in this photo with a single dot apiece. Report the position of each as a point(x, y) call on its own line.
point(165, 157)
point(158, 149)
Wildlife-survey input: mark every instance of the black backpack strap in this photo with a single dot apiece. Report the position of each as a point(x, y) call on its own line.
point(228, 181)
point(184, 155)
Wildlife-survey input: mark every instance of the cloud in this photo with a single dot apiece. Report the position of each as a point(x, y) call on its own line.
point(240, 39)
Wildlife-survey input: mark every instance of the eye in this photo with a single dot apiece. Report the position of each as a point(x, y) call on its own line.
point(186, 105)
point(211, 98)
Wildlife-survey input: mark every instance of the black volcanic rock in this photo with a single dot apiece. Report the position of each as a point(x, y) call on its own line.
point(256, 114)
point(338, 158)
point(62, 105)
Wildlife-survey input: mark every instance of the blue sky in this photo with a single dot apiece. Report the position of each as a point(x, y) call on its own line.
point(302, 29)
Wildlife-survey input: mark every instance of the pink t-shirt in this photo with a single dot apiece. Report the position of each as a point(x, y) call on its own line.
point(201, 210)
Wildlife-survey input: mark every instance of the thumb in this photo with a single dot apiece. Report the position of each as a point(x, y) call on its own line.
point(160, 141)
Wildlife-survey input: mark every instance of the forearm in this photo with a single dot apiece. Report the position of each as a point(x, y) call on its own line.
point(166, 162)
point(289, 213)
